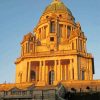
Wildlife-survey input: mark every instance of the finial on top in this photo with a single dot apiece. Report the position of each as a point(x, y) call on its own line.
point(56, 0)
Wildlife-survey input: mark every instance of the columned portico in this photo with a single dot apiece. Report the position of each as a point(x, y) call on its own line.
point(49, 72)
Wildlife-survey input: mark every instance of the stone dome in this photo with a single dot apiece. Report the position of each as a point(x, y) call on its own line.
point(57, 6)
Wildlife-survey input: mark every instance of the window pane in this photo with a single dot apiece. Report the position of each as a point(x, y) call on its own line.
point(68, 31)
point(52, 39)
point(83, 77)
point(60, 30)
point(52, 26)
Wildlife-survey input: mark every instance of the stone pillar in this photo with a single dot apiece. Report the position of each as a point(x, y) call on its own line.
point(43, 71)
point(49, 26)
point(36, 73)
point(42, 33)
point(61, 71)
point(76, 44)
point(42, 75)
point(75, 63)
point(46, 74)
point(65, 72)
point(40, 71)
point(90, 69)
point(29, 72)
point(56, 28)
point(71, 67)
point(58, 71)
point(55, 70)
point(66, 31)
point(55, 73)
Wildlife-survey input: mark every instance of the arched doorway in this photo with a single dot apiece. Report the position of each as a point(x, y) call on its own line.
point(51, 77)
point(33, 75)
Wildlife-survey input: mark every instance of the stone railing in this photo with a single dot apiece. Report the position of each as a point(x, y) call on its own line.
point(54, 53)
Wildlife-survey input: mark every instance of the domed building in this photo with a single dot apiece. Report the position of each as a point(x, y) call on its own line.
point(55, 51)
point(54, 60)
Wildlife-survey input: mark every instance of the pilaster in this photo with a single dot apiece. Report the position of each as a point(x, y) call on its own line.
point(75, 63)
point(29, 71)
point(55, 70)
point(42, 81)
point(40, 71)
point(65, 72)
point(71, 66)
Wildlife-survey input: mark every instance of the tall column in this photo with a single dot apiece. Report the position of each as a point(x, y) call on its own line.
point(36, 73)
point(90, 69)
point(71, 66)
point(58, 71)
point(65, 72)
point(41, 33)
point(77, 44)
point(75, 63)
point(56, 27)
point(66, 31)
point(29, 71)
point(40, 71)
point(43, 71)
point(42, 75)
point(46, 74)
point(49, 26)
point(55, 70)
point(61, 71)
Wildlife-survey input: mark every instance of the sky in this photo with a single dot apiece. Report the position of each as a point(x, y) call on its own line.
point(18, 17)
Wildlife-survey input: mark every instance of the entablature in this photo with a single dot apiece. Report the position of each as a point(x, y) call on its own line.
point(54, 54)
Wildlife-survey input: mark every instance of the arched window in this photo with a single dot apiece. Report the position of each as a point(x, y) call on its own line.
point(51, 77)
point(52, 27)
point(33, 76)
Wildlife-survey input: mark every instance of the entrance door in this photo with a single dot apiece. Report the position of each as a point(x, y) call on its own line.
point(51, 77)
point(33, 76)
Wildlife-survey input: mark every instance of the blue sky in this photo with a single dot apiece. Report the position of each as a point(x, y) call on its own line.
point(18, 17)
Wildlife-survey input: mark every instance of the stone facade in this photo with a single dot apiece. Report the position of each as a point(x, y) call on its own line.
point(55, 51)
